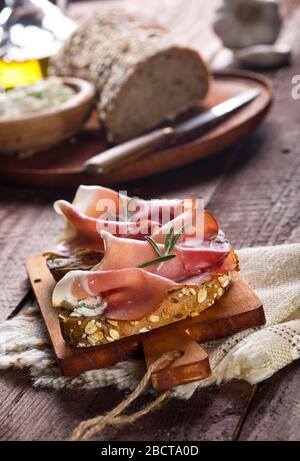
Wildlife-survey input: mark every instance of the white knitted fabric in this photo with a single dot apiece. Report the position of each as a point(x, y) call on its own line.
point(252, 355)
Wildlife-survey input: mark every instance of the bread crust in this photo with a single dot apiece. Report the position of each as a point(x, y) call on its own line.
point(182, 303)
point(118, 88)
point(84, 260)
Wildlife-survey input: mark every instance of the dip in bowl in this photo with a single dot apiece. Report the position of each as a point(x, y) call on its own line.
point(36, 117)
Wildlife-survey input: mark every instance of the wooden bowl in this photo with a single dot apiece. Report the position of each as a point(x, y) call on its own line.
point(47, 128)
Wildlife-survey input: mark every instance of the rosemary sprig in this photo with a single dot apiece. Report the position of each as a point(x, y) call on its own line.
point(170, 242)
point(177, 236)
point(161, 259)
point(154, 246)
point(172, 239)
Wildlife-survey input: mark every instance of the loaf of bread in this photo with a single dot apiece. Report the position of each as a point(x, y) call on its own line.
point(143, 78)
point(81, 331)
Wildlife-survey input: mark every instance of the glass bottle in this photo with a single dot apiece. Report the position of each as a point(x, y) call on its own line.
point(30, 32)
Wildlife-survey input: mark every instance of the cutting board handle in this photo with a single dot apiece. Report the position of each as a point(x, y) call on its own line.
point(192, 365)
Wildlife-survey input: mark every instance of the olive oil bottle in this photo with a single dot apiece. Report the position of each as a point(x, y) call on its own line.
point(30, 32)
point(14, 73)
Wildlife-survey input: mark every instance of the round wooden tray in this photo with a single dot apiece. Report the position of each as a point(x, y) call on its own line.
point(62, 166)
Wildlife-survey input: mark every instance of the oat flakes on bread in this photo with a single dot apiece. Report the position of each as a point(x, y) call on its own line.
point(132, 290)
point(180, 304)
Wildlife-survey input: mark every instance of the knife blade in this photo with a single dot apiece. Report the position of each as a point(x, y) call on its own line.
point(128, 151)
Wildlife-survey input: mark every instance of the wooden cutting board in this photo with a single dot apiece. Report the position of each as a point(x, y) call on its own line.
point(238, 309)
point(62, 166)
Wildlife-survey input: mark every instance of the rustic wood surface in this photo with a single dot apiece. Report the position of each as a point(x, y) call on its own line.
point(254, 191)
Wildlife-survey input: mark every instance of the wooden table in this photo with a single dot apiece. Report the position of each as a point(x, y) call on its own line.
point(253, 189)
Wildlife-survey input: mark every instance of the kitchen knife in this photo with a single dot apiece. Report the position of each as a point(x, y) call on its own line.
point(190, 129)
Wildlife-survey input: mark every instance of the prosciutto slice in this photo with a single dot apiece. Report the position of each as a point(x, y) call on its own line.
point(97, 208)
point(129, 294)
point(197, 224)
point(85, 231)
point(101, 202)
point(96, 219)
point(191, 257)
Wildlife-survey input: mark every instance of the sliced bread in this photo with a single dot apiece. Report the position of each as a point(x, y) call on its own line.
point(188, 301)
point(142, 76)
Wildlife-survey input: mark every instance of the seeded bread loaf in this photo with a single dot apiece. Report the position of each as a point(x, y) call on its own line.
point(142, 76)
point(179, 304)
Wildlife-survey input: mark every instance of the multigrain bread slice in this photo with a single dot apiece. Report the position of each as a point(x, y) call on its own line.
point(178, 305)
point(84, 260)
point(143, 78)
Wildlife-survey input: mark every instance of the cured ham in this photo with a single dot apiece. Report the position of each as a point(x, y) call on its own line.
point(97, 208)
point(190, 259)
point(130, 294)
point(101, 202)
point(85, 231)
point(196, 224)
point(137, 271)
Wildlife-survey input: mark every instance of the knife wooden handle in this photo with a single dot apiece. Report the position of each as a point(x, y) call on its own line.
point(128, 151)
point(131, 150)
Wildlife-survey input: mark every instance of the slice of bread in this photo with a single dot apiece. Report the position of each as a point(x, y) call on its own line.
point(188, 301)
point(84, 260)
